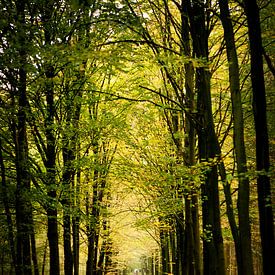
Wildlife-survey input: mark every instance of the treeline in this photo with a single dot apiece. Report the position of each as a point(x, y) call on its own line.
point(158, 94)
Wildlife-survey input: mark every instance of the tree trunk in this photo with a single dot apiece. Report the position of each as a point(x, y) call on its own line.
point(190, 243)
point(70, 141)
point(230, 210)
point(104, 247)
point(245, 264)
point(262, 141)
point(193, 261)
point(192, 216)
point(173, 252)
point(164, 252)
point(7, 211)
point(76, 221)
point(50, 149)
point(93, 216)
point(33, 250)
point(90, 270)
point(67, 182)
point(213, 242)
point(51, 180)
point(23, 200)
point(180, 244)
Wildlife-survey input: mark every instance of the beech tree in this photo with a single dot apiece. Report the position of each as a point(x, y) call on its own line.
point(262, 142)
point(243, 241)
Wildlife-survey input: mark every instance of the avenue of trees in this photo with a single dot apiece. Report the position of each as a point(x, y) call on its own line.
point(160, 108)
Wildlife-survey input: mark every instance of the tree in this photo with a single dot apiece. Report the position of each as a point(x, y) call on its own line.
point(262, 142)
point(243, 240)
point(213, 256)
point(14, 41)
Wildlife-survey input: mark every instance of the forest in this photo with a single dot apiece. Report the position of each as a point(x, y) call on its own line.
point(137, 137)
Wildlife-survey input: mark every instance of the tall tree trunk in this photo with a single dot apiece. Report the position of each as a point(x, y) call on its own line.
point(172, 249)
point(262, 141)
point(230, 210)
point(90, 269)
point(180, 257)
point(164, 252)
point(76, 244)
point(93, 215)
point(50, 148)
point(93, 230)
point(192, 218)
point(76, 221)
point(34, 253)
point(190, 243)
point(68, 177)
point(191, 201)
point(7, 211)
point(70, 141)
point(23, 200)
point(67, 183)
point(51, 179)
point(104, 246)
point(213, 242)
point(245, 264)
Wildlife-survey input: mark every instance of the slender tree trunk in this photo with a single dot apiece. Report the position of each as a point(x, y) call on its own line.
point(93, 223)
point(67, 181)
point(75, 183)
point(50, 148)
point(245, 264)
point(190, 148)
point(51, 181)
point(93, 219)
point(191, 202)
point(230, 210)
point(23, 200)
point(68, 256)
point(76, 221)
point(91, 250)
point(104, 246)
point(34, 253)
point(190, 244)
point(76, 244)
point(172, 245)
point(180, 257)
point(262, 141)
point(7, 211)
point(164, 252)
point(70, 140)
point(213, 242)
point(196, 234)
point(44, 257)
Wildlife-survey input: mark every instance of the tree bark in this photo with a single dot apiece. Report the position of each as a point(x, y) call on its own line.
point(76, 221)
point(164, 252)
point(50, 164)
point(70, 141)
point(51, 180)
point(192, 216)
point(244, 258)
point(93, 215)
point(67, 183)
point(180, 256)
point(7, 211)
point(262, 141)
point(23, 200)
point(213, 253)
